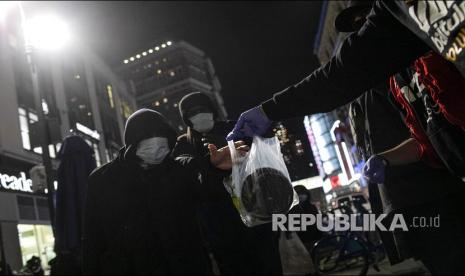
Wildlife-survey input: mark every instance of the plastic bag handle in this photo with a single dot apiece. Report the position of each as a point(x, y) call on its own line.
point(233, 151)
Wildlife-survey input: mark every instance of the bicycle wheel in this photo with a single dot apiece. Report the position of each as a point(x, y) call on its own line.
point(339, 253)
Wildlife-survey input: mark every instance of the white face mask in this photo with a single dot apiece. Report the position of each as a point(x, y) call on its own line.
point(202, 122)
point(154, 150)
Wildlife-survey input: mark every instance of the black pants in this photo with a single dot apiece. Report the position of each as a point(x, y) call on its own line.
point(264, 250)
point(442, 249)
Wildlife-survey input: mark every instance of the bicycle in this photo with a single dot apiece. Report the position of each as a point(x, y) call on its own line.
point(349, 250)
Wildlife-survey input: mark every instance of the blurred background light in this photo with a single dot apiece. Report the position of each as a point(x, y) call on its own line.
point(46, 32)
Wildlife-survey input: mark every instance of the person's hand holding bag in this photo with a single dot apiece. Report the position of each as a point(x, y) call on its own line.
point(221, 158)
point(374, 170)
point(252, 122)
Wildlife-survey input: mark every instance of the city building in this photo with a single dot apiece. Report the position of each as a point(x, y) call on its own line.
point(297, 161)
point(160, 76)
point(329, 134)
point(81, 96)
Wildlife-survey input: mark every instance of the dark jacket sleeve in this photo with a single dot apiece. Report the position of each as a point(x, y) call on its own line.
point(202, 187)
point(92, 243)
point(382, 47)
point(211, 175)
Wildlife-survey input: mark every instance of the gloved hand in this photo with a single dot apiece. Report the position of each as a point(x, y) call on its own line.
point(375, 169)
point(252, 122)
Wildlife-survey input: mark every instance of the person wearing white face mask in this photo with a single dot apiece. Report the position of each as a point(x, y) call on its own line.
point(237, 249)
point(140, 208)
point(153, 151)
point(202, 122)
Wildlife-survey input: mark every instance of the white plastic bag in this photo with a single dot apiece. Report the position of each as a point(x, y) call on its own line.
point(260, 184)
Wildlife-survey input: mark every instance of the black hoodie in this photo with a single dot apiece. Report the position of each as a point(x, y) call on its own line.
point(143, 221)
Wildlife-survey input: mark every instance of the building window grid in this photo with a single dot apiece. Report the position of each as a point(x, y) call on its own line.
point(25, 119)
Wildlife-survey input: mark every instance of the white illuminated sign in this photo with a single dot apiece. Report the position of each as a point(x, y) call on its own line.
point(343, 156)
point(92, 133)
point(11, 182)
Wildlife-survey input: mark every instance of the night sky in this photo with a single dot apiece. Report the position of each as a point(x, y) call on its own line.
point(257, 48)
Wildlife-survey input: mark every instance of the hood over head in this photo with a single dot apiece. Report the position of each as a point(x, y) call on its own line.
point(146, 123)
point(195, 99)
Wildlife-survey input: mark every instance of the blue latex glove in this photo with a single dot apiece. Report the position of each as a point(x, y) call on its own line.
point(250, 123)
point(374, 170)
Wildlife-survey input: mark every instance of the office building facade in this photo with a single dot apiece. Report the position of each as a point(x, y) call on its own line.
point(81, 96)
point(160, 76)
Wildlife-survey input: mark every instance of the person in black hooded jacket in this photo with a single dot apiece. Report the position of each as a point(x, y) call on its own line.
point(139, 216)
point(237, 249)
point(76, 163)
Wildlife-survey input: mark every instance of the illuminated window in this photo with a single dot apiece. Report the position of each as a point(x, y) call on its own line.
point(126, 109)
point(51, 150)
point(33, 119)
point(36, 240)
point(110, 96)
point(45, 107)
point(24, 126)
point(25, 120)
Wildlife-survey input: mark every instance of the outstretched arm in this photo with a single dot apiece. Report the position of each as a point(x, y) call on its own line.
point(379, 49)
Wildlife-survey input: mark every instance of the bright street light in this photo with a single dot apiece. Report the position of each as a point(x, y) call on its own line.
point(41, 33)
point(46, 32)
point(5, 6)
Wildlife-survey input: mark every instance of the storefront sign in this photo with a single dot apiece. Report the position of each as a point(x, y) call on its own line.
point(14, 183)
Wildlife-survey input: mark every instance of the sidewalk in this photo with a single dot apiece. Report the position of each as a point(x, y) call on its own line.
point(407, 267)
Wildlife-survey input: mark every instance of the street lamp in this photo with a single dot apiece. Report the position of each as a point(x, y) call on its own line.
point(5, 6)
point(41, 33)
point(46, 32)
